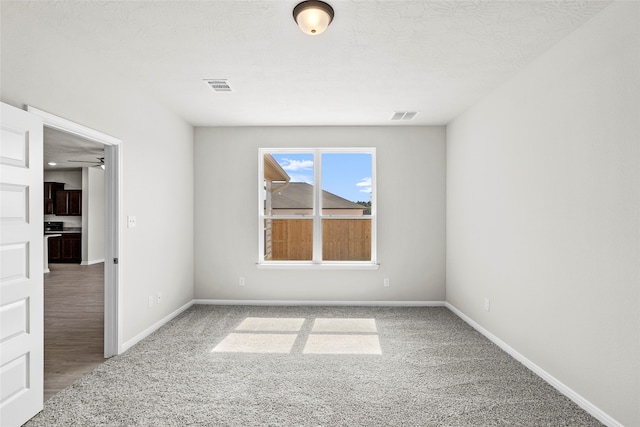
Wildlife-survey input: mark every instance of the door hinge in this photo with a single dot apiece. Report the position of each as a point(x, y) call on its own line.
point(115, 260)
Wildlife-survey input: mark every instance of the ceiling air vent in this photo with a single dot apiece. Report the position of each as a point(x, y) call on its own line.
point(219, 85)
point(404, 115)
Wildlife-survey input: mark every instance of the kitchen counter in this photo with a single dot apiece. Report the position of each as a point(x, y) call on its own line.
point(69, 230)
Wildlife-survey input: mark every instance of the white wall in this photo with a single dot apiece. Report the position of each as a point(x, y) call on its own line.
point(543, 212)
point(93, 227)
point(411, 215)
point(47, 73)
point(72, 179)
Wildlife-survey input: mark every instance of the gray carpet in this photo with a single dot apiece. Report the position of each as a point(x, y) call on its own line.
point(434, 370)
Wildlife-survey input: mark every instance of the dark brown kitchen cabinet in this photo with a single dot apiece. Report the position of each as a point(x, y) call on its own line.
point(66, 249)
point(50, 189)
point(69, 202)
point(55, 249)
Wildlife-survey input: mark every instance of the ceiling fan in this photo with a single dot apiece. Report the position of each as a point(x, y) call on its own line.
point(96, 164)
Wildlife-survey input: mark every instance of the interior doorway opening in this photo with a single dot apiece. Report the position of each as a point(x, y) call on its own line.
point(74, 230)
point(112, 160)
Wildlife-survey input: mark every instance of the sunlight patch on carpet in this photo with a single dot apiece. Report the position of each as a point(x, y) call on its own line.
point(344, 325)
point(271, 324)
point(328, 335)
point(256, 343)
point(342, 344)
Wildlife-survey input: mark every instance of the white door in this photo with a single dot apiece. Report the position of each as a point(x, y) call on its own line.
point(21, 258)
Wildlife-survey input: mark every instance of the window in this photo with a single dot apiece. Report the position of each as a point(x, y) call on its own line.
point(317, 207)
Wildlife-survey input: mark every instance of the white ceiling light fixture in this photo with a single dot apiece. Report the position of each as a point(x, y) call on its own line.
point(313, 17)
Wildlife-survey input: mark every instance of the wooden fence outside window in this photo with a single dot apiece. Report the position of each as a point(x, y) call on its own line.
point(342, 239)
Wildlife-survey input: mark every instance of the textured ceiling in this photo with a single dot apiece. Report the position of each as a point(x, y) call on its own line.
point(434, 57)
point(60, 147)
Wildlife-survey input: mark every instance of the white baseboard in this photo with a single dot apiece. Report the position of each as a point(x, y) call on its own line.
point(557, 384)
point(151, 329)
point(321, 303)
point(92, 261)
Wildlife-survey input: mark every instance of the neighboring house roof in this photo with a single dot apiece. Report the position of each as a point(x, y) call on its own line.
point(299, 195)
point(273, 171)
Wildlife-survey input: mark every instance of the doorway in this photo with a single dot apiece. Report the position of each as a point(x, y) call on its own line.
point(73, 323)
point(74, 258)
point(111, 162)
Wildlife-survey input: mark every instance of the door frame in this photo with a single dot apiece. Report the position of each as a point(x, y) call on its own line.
point(112, 189)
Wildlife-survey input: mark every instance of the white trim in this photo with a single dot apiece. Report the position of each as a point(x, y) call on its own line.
point(317, 217)
point(261, 205)
point(113, 190)
point(91, 262)
point(65, 125)
point(112, 271)
point(302, 265)
point(374, 206)
point(151, 329)
point(317, 236)
point(557, 384)
point(320, 303)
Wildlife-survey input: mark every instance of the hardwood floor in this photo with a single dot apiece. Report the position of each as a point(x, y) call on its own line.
point(73, 323)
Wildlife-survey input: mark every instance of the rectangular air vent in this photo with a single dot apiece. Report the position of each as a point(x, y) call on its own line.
point(219, 85)
point(404, 115)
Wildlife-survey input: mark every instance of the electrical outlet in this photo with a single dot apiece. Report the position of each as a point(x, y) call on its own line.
point(150, 300)
point(487, 304)
point(386, 282)
point(241, 281)
point(131, 221)
point(159, 297)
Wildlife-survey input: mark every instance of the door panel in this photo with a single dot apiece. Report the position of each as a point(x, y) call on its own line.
point(13, 261)
point(15, 147)
point(21, 279)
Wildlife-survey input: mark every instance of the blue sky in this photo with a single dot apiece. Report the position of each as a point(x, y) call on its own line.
point(346, 174)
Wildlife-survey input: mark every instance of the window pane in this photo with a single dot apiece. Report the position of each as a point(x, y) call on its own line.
point(288, 184)
point(346, 184)
point(288, 239)
point(306, 221)
point(346, 240)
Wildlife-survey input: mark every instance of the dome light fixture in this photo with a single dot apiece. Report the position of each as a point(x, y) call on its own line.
point(312, 16)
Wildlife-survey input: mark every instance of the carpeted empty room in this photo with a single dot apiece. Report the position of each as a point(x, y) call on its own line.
point(312, 366)
point(320, 213)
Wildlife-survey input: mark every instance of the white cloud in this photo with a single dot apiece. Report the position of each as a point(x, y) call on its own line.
point(301, 178)
point(365, 182)
point(296, 165)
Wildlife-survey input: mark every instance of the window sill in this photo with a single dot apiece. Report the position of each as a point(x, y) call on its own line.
point(312, 266)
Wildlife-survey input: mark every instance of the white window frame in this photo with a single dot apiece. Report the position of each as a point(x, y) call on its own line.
point(317, 216)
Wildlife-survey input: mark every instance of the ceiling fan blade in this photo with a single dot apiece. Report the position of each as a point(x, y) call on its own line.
point(98, 163)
